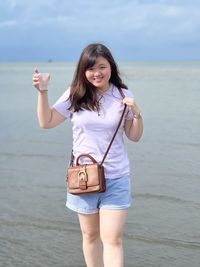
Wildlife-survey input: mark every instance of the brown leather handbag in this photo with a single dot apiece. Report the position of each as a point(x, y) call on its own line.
point(88, 178)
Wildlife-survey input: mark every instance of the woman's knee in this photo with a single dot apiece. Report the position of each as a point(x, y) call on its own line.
point(112, 226)
point(112, 239)
point(90, 236)
point(89, 227)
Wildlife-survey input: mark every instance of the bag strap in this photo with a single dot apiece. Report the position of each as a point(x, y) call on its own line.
point(119, 123)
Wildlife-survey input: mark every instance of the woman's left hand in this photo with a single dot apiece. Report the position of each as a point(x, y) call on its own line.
point(131, 104)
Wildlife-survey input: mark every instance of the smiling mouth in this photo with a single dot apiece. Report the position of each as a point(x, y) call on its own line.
point(97, 78)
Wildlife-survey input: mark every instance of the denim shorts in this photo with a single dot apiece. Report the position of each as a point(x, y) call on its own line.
point(116, 196)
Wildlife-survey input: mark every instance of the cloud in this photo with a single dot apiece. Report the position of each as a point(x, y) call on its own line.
point(138, 24)
point(172, 12)
point(11, 3)
point(100, 17)
point(8, 23)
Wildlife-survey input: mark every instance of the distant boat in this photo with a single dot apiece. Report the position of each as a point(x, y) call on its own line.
point(50, 60)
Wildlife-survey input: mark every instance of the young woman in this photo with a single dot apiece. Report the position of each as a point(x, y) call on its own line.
point(94, 105)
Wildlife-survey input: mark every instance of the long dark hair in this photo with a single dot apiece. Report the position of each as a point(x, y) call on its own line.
point(82, 92)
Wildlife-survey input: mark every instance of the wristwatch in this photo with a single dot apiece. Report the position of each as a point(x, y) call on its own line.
point(137, 117)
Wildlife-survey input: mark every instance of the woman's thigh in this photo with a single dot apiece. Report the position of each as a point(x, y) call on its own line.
point(89, 224)
point(112, 224)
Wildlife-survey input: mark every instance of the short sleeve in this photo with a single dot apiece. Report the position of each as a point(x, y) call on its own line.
point(62, 104)
point(129, 114)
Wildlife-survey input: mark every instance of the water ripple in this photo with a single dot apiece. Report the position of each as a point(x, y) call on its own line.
point(166, 198)
point(165, 241)
point(31, 155)
point(43, 224)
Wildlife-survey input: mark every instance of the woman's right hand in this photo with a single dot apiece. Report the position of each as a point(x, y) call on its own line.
point(39, 82)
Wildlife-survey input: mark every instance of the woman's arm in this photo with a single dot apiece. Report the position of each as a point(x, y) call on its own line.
point(133, 128)
point(47, 117)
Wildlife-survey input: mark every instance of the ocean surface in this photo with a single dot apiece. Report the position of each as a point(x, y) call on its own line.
point(163, 225)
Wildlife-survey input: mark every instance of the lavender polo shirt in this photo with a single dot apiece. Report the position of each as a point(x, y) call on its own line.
point(92, 131)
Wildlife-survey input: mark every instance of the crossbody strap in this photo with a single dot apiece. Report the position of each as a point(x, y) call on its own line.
point(119, 123)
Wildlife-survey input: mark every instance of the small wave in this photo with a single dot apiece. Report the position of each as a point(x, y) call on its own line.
point(13, 241)
point(32, 155)
point(196, 145)
point(166, 241)
point(47, 142)
point(166, 198)
point(43, 224)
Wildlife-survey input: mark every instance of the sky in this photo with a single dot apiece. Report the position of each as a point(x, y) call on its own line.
point(39, 30)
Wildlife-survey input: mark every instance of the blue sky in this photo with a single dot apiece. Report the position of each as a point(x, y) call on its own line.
point(132, 29)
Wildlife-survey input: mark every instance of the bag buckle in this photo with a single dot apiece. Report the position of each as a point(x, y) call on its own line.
point(82, 179)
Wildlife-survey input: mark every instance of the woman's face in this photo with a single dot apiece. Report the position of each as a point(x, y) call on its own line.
point(99, 74)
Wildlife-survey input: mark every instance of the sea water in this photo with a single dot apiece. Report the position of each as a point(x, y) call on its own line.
point(163, 224)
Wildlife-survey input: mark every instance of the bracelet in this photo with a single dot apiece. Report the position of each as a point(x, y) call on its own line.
point(137, 117)
point(43, 91)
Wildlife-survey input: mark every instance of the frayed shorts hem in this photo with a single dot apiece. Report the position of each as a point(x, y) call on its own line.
point(78, 210)
point(115, 207)
point(73, 208)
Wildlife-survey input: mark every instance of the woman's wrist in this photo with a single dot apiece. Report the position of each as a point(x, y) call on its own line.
point(136, 112)
point(43, 91)
point(137, 115)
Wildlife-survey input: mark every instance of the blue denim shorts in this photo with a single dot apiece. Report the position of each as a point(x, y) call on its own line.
point(116, 196)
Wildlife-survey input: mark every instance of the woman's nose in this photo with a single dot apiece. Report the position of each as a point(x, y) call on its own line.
point(97, 73)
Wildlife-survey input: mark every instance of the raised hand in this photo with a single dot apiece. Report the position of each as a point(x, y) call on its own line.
point(132, 105)
point(41, 80)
